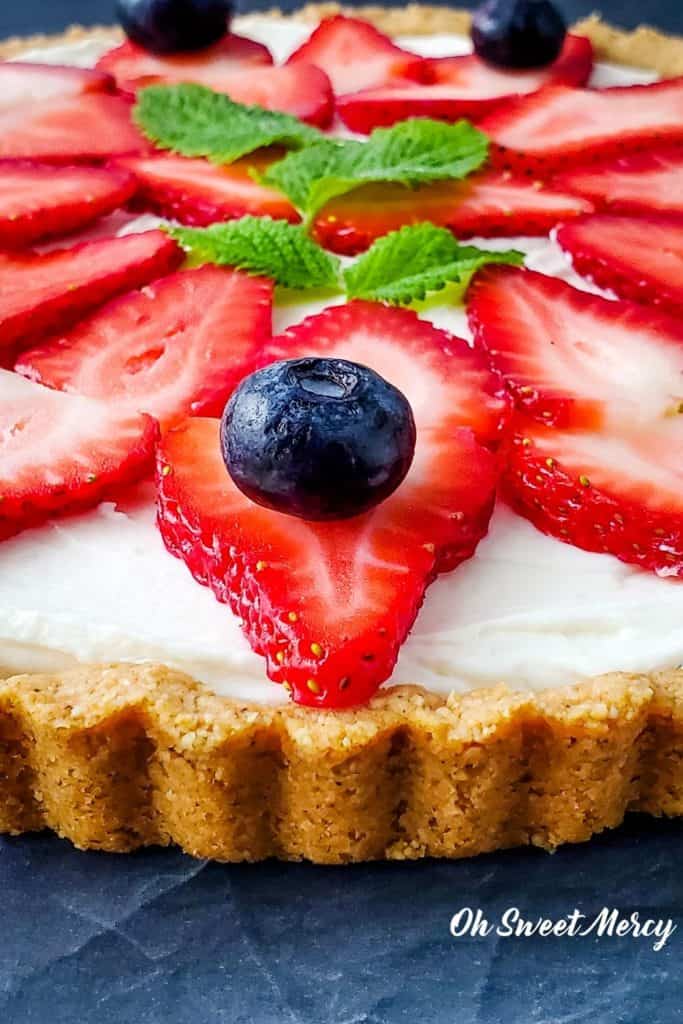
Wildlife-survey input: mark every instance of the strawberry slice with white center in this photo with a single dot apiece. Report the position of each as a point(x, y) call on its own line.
point(559, 126)
point(573, 359)
point(597, 455)
point(299, 89)
point(40, 293)
point(615, 493)
point(41, 202)
point(639, 258)
point(486, 204)
point(177, 348)
point(238, 67)
point(198, 192)
point(70, 129)
point(133, 67)
point(355, 55)
point(33, 83)
point(329, 604)
point(639, 183)
point(465, 86)
point(60, 453)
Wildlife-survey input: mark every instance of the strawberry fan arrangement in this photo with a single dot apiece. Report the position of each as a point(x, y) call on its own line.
point(120, 353)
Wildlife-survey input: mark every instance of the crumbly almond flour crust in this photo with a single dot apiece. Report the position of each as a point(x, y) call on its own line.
point(124, 756)
point(118, 757)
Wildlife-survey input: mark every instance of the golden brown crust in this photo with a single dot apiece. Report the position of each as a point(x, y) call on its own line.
point(124, 756)
point(76, 34)
point(120, 757)
point(644, 47)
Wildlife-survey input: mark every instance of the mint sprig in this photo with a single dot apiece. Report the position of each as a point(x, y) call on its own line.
point(412, 152)
point(401, 268)
point(195, 121)
point(259, 245)
point(406, 265)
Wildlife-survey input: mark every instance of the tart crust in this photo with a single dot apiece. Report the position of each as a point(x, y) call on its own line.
point(118, 757)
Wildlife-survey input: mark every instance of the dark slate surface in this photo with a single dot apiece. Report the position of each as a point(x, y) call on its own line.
point(157, 938)
point(52, 15)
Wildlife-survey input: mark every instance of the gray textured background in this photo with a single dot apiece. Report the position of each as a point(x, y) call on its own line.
point(157, 938)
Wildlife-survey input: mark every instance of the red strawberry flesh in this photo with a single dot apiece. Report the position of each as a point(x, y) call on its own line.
point(25, 83)
point(60, 453)
point(355, 55)
point(134, 67)
point(197, 192)
point(39, 202)
point(175, 349)
point(639, 258)
point(486, 204)
point(597, 452)
point(559, 126)
point(573, 359)
point(43, 293)
point(620, 494)
point(238, 67)
point(299, 89)
point(465, 86)
point(485, 82)
point(639, 183)
point(70, 129)
point(329, 605)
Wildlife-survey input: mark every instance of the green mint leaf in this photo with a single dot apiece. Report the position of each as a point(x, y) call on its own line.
point(195, 121)
point(412, 152)
point(259, 245)
point(405, 265)
point(310, 183)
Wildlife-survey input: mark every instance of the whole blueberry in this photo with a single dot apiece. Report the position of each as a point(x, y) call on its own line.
point(518, 34)
point(174, 26)
point(317, 438)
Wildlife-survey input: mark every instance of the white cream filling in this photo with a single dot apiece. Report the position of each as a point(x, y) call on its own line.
point(526, 609)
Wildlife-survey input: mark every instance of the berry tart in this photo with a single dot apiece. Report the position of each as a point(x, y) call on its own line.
point(341, 431)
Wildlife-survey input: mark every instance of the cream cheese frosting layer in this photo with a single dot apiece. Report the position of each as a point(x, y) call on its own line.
point(526, 609)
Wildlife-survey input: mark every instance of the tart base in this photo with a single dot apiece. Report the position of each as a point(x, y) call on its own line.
point(119, 757)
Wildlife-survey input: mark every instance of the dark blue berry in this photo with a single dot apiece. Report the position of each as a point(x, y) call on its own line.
point(518, 34)
point(174, 26)
point(317, 438)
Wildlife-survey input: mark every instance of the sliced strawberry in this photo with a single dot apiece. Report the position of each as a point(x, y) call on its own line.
point(73, 129)
point(486, 204)
point(639, 183)
point(329, 604)
point(454, 87)
point(573, 359)
point(177, 348)
point(299, 89)
point(235, 66)
point(558, 126)
point(38, 202)
point(597, 451)
point(134, 67)
point(198, 192)
point(32, 83)
point(39, 293)
point(59, 453)
point(612, 492)
point(355, 55)
point(639, 258)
